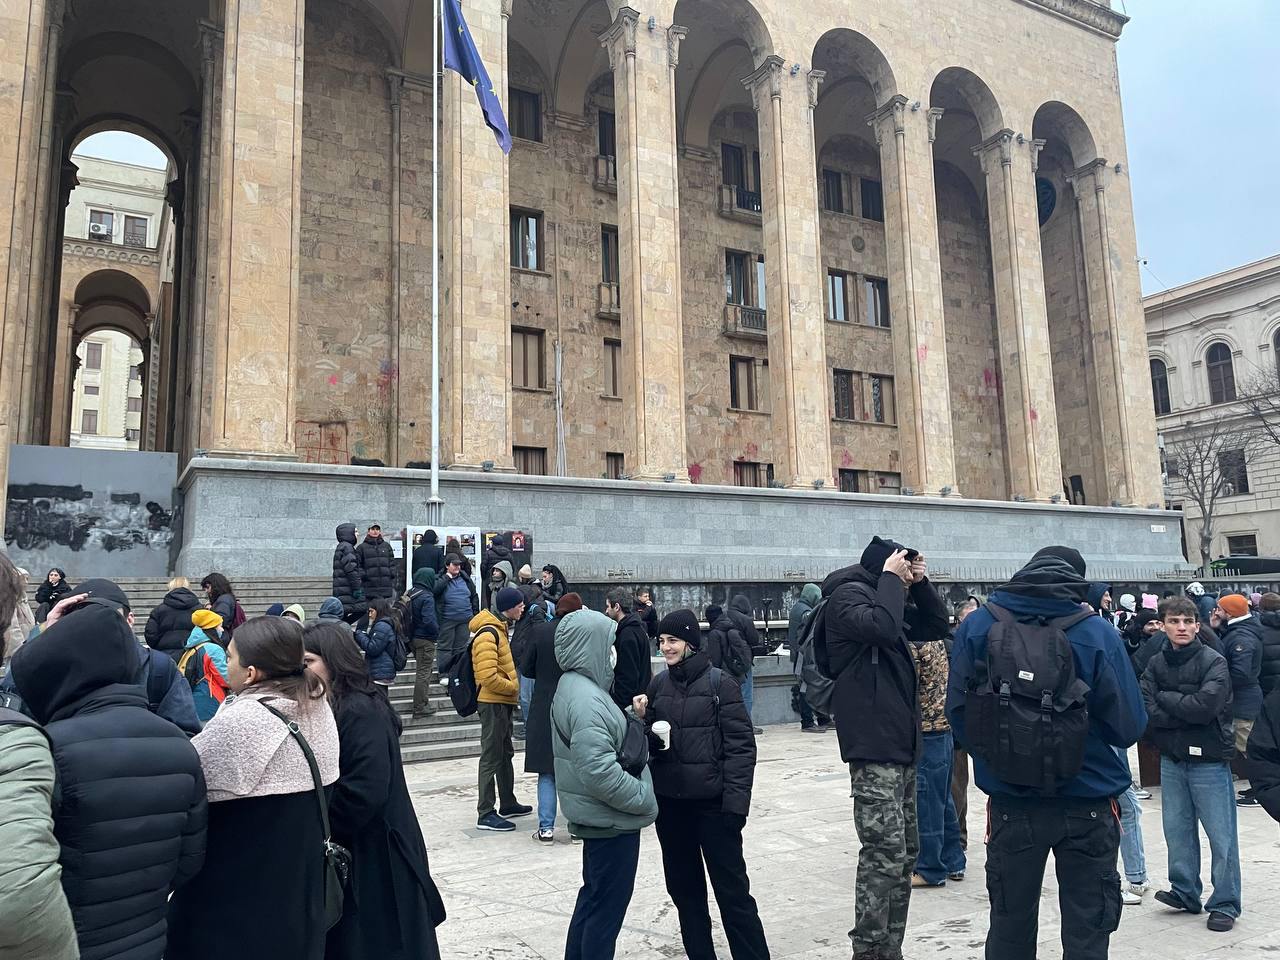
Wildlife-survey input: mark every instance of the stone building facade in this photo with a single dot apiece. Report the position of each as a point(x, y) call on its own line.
point(881, 247)
point(1212, 342)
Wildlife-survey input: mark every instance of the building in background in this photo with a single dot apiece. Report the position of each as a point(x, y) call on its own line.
point(1214, 355)
point(106, 410)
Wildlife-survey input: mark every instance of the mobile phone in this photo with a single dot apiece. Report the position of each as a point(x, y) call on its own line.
point(912, 555)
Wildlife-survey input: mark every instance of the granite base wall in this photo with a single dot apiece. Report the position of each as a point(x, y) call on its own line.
point(260, 519)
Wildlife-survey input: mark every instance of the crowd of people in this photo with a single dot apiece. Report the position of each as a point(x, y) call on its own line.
point(244, 751)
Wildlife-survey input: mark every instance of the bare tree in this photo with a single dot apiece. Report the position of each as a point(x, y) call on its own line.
point(1259, 398)
point(1206, 462)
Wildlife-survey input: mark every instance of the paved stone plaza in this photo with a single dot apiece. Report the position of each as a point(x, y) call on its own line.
point(511, 898)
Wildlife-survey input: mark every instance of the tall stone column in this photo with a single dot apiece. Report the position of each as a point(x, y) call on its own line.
point(922, 383)
point(653, 388)
point(1117, 330)
point(1022, 319)
point(254, 318)
point(794, 276)
point(475, 300)
point(65, 364)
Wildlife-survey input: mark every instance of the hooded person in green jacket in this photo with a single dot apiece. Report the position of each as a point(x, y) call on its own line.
point(35, 921)
point(605, 805)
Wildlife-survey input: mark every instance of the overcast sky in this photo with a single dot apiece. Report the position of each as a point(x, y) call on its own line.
point(1198, 79)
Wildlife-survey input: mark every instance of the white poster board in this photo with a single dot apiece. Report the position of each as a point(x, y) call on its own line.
point(468, 542)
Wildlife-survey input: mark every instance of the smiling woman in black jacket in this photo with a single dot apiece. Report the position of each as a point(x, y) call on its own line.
point(392, 906)
point(703, 783)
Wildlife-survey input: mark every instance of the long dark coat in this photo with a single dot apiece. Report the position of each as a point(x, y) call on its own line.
point(539, 663)
point(392, 906)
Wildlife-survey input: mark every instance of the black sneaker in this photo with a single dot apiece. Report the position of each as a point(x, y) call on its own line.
point(544, 836)
point(758, 731)
point(1220, 922)
point(491, 821)
point(1171, 899)
point(813, 729)
point(1247, 799)
point(519, 810)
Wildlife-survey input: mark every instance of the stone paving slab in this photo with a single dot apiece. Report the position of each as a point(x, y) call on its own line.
point(510, 898)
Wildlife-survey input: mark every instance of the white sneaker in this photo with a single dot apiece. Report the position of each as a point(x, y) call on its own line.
point(1131, 893)
point(1141, 793)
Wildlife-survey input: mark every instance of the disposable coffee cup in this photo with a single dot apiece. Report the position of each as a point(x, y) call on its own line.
point(663, 731)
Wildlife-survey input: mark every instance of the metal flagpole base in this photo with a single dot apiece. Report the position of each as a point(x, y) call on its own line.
point(435, 512)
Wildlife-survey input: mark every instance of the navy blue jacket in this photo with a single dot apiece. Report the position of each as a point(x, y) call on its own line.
point(1117, 717)
point(376, 644)
point(1242, 646)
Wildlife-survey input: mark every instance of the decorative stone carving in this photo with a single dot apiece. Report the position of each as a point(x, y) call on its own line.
point(935, 114)
point(620, 38)
point(674, 35)
point(1036, 146)
point(815, 80)
point(996, 148)
point(765, 82)
point(88, 249)
point(891, 118)
point(1094, 173)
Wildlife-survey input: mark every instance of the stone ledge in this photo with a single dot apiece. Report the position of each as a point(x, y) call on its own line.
point(1087, 13)
point(114, 252)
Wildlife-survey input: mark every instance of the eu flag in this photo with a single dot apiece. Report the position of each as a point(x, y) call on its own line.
point(461, 56)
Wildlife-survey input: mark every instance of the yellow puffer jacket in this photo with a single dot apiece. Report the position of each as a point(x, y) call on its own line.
point(491, 659)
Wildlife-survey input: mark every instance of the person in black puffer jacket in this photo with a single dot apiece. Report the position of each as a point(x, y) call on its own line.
point(348, 578)
point(1269, 627)
point(726, 647)
point(54, 588)
point(429, 553)
point(703, 782)
point(169, 624)
point(1188, 695)
point(132, 814)
point(377, 564)
point(631, 670)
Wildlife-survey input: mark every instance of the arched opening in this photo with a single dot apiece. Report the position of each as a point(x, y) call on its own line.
point(859, 329)
point(107, 402)
point(1160, 386)
point(1068, 146)
point(722, 253)
point(965, 115)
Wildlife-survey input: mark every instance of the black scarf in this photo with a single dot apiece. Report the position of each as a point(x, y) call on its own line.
point(1048, 577)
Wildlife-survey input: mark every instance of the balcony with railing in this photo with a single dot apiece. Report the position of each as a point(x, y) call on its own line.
point(606, 177)
point(739, 203)
point(609, 301)
point(750, 323)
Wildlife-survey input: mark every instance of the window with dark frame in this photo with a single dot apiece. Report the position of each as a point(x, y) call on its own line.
point(872, 199)
point(845, 383)
point(833, 191)
point(747, 473)
point(838, 296)
point(135, 405)
point(882, 399)
point(526, 239)
point(733, 165)
point(93, 355)
point(606, 134)
point(614, 466)
point(876, 295)
point(1234, 473)
point(1275, 349)
point(1222, 374)
point(530, 461)
point(736, 277)
point(848, 480)
point(1160, 386)
point(135, 372)
point(135, 231)
point(526, 114)
point(90, 389)
point(613, 368)
point(609, 269)
point(743, 394)
point(528, 365)
point(89, 422)
point(1242, 545)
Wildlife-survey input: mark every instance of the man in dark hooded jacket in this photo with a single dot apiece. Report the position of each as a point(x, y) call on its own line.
point(726, 647)
point(169, 624)
point(377, 565)
point(429, 553)
point(744, 622)
point(876, 609)
point(348, 578)
point(810, 596)
point(131, 815)
point(1077, 822)
point(632, 669)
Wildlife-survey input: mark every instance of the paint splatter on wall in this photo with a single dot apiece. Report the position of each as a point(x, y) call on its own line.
point(322, 441)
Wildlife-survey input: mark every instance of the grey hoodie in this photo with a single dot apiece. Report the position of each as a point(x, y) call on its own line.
point(598, 797)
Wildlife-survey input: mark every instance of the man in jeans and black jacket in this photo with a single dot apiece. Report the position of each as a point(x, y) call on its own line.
point(878, 608)
point(1078, 822)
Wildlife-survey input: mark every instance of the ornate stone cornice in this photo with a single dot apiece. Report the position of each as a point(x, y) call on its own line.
point(1096, 171)
point(815, 80)
point(766, 81)
point(1087, 13)
point(620, 38)
point(92, 250)
point(1036, 146)
point(674, 35)
point(891, 117)
point(996, 148)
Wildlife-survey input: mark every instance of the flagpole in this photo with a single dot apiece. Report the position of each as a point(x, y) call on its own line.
point(435, 506)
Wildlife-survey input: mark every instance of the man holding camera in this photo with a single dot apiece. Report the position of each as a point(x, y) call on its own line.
point(878, 607)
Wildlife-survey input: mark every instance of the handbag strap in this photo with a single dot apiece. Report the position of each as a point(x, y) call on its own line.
point(311, 762)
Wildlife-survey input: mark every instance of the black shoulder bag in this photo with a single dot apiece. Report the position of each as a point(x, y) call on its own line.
point(337, 860)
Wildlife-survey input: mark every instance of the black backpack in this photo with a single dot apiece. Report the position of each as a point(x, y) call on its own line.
point(813, 664)
point(1025, 706)
point(464, 692)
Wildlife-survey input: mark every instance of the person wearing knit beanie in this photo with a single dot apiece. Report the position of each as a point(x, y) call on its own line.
point(206, 620)
point(567, 604)
point(1241, 635)
point(683, 625)
point(1234, 605)
point(509, 599)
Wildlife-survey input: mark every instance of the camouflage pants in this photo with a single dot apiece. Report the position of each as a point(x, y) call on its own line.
point(884, 814)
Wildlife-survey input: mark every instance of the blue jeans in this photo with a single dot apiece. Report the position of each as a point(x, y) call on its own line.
point(940, 850)
point(546, 801)
point(1131, 851)
point(1201, 792)
point(748, 687)
point(526, 694)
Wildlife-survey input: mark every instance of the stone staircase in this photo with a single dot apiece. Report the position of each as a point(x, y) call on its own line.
point(443, 735)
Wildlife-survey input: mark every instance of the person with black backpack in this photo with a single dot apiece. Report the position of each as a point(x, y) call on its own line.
point(726, 645)
point(876, 609)
point(379, 641)
point(702, 756)
point(1041, 694)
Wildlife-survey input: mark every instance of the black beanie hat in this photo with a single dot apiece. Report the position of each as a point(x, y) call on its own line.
point(877, 552)
point(713, 612)
point(1069, 554)
point(682, 624)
